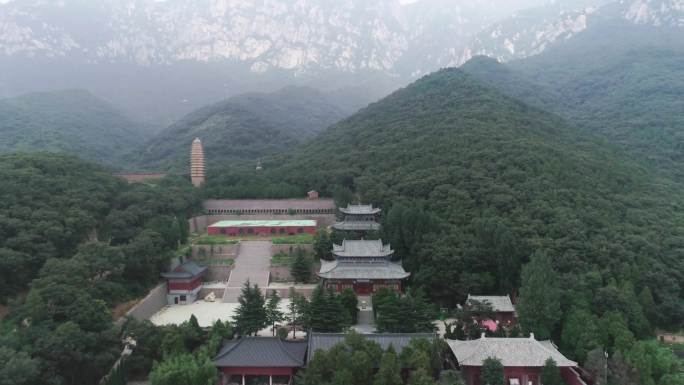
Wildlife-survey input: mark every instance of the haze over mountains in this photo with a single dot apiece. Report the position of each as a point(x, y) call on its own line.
point(158, 60)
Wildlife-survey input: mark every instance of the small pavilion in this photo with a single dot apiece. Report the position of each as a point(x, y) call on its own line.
point(184, 283)
point(360, 218)
point(364, 266)
point(260, 361)
point(503, 308)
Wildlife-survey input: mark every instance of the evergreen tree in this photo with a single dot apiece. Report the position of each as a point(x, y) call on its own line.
point(323, 244)
point(296, 309)
point(550, 374)
point(539, 302)
point(389, 372)
point(351, 304)
point(390, 317)
point(315, 317)
point(422, 314)
point(420, 377)
point(273, 313)
point(492, 372)
point(184, 370)
point(250, 316)
point(301, 267)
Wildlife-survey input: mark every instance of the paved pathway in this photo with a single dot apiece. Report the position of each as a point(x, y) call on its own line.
point(252, 263)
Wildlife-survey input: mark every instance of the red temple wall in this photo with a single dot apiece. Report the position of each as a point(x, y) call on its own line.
point(263, 230)
point(175, 285)
point(473, 374)
point(364, 288)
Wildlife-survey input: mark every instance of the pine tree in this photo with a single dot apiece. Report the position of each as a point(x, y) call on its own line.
point(322, 245)
point(301, 267)
point(389, 372)
point(539, 303)
point(492, 372)
point(390, 316)
point(315, 312)
point(351, 304)
point(250, 316)
point(298, 305)
point(550, 374)
point(422, 313)
point(273, 313)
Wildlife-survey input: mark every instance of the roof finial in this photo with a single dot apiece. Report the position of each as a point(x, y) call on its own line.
point(531, 336)
point(483, 336)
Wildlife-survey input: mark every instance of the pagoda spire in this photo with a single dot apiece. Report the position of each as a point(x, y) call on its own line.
point(197, 166)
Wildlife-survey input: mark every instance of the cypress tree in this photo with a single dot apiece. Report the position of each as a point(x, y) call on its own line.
point(273, 313)
point(350, 303)
point(389, 372)
point(250, 316)
point(390, 315)
point(301, 267)
point(539, 304)
point(550, 374)
point(492, 372)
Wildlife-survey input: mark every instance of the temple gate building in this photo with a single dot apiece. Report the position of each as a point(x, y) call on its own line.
point(364, 266)
point(260, 361)
point(502, 307)
point(522, 359)
point(197, 165)
point(359, 218)
point(184, 283)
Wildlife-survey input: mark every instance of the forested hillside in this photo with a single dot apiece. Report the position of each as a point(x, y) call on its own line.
point(71, 121)
point(474, 183)
point(246, 127)
point(77, 242)
point(618, 80)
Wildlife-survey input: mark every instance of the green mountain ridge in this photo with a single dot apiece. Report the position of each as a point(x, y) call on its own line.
point(70, 121)
point(622, 82)
point(245, 127)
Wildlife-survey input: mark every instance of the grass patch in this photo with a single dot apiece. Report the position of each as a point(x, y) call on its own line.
point(282, 259)
point(215, 262)
point(215, 240)
point(299, 239)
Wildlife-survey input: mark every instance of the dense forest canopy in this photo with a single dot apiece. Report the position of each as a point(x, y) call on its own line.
point(70, 121)
point(79, 242)
point(618, 80)
point(473, 183)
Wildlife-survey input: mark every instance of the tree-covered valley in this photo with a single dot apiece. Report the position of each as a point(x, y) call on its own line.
point(555, 179)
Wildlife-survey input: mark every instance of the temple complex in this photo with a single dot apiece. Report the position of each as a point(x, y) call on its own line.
point(197, 166)
point(359, 218)
point(364, 266)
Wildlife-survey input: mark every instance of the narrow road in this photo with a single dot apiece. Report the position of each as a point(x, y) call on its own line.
point(252, 263)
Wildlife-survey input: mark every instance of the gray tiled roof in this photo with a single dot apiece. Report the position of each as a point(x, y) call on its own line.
point(359, 209)
point(356, 226)
point(382, 270)
point(261, 352)
point(525, 352)
point(499, 303)
point(362, 248)
point(325, 341)
point(188, 269)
